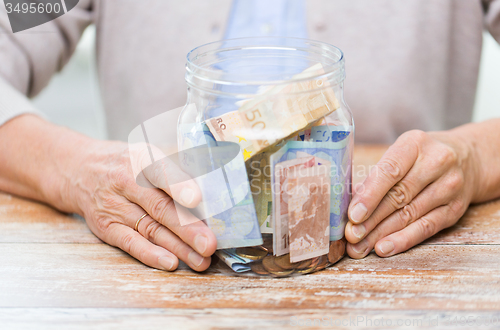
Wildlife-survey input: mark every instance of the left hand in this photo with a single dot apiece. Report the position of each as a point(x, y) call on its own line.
point(423, 184)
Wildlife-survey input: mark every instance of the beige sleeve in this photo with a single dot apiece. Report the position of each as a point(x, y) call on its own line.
point(28, 59)
point(492, 17)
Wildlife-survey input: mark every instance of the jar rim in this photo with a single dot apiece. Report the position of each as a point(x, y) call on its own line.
point(194, 71)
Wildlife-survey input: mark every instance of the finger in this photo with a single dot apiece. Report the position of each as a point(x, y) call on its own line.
point(162, 236)
point(163, 173)
point(393, 167)
point(176, 218)
point(133, 243)
point(430, 198)
point(166, 175)
point(419, 177)
point(418, 231)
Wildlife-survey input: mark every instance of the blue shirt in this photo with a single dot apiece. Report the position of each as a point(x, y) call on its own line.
point(259, 18)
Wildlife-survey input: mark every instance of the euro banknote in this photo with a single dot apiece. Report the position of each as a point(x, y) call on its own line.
point(279, 112)
point(236, 262)
point(219, 170)
point(281, 196)
point(308, 211)
point(338, 155)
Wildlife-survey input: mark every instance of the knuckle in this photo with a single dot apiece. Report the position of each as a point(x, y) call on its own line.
point(157, 174)
point(161, 208)
point(399, 195)
point(127, 243)
point(416, 136)
point(445, 156)
point(391, 169)
point(408, 215)
point(427, 226)
point(458, 207)
point(455, 181)
point(103, 223)
point(152, 230)
point(120, 178)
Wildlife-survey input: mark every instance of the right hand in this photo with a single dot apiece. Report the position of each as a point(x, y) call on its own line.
point(104, 191)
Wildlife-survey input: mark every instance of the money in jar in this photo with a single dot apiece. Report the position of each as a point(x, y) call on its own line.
point(268, 137)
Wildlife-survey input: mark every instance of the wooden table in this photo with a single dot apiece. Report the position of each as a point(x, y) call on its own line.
point(55, 273)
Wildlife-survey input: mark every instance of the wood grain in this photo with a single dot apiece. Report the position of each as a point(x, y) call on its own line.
point(97, 275)
point(230, 318)
point(479, 225)
point(27, 221)
point(56, 274)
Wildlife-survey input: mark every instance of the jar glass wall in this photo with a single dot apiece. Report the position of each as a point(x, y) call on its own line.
point(269, 140)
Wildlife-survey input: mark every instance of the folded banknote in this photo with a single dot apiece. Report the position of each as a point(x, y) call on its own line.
point(279, 112)
point(236, 262)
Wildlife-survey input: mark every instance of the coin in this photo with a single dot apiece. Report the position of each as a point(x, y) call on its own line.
point(282, 273)
point(337, 250)
point(304, 264)
point(252, 253)
point(310, 269)
point(322, 263)
point(284, 262)
point(258, 268)
point(270, 266)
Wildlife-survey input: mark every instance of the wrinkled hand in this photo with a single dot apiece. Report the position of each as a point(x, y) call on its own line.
point(111, 201)
point(423, 184)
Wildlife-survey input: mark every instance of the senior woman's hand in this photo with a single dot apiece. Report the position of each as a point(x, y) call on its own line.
point(96, 179)
point(423, 184)
point(113, 203)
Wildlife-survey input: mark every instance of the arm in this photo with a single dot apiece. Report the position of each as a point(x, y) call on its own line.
point(74, 173)
point(423, 184)
point(29, 59)
point(95, 179)
point(425, 181)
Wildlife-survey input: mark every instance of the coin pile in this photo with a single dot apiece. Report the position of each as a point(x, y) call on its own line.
point(264, 263)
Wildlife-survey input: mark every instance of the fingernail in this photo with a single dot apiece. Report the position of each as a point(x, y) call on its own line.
point(360, 247)
point(200, 242)
point(358, 213)
point(195, 259)
point(386, 247)
point(187, 196)
point(166, 263)
point(359, 230)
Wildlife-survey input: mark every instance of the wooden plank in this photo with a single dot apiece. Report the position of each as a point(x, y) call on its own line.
point(229, 318)
point(452, 277)
point(27, 221)
point(479, 225)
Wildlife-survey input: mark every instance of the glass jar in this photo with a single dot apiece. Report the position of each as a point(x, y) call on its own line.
point(268, 137)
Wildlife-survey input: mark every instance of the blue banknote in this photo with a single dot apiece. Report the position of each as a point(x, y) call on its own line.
point(329, 143)
point(236, 262)
point(327, 133)
point(219, 170)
